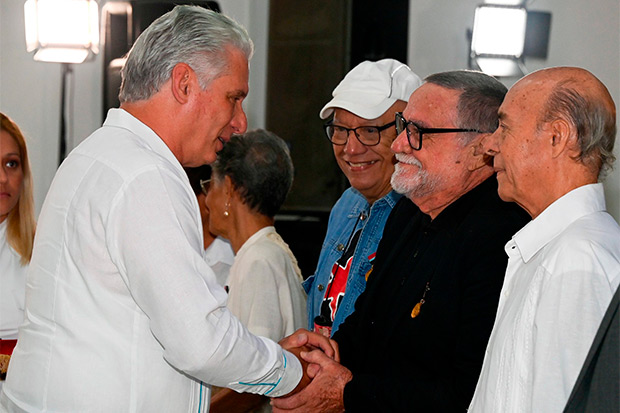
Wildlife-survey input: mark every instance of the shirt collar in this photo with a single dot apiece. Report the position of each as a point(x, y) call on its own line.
point(255, 237)
point(556, 217)
point(391, 198)
point(120, 118)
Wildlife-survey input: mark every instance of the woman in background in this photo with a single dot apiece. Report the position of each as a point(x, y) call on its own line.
point(218, 253)
point(250, 181)
point(17, 225)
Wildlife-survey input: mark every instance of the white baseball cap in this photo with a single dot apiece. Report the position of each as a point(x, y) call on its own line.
point(370, 88)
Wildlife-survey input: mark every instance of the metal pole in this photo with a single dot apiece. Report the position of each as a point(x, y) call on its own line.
point(62, 150)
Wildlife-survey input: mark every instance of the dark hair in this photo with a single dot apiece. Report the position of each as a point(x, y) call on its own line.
point(480, 99)
point(197, 174)
point(260, 168)
point(595, 124)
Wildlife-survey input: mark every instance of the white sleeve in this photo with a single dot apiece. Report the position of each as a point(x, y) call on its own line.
point(155, 242)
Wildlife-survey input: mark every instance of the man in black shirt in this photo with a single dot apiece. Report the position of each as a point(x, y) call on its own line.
point(416, 339)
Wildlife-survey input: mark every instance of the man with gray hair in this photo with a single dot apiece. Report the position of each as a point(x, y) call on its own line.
point(123, 314)
point(556, 135)
point(416, 339)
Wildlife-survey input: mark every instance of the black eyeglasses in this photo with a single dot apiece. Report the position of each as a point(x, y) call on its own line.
point(415, 132)
point(367, 135)
point(204, 185)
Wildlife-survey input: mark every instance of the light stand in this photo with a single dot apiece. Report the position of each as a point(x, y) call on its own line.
point(66, 32)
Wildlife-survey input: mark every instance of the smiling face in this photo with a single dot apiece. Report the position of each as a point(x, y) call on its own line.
point(437, 167)
point(368, 168)
point(217, 113)
point(11, 174)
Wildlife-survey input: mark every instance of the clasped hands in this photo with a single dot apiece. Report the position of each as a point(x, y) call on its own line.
point(321, 388)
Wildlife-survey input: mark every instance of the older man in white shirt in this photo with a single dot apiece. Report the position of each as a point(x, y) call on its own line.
point(556, 133)
point(123, 314)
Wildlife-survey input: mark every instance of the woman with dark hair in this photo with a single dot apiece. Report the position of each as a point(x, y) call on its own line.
point(17, 225)
point(249, 183)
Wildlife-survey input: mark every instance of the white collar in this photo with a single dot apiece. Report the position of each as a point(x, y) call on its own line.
point(556, 217)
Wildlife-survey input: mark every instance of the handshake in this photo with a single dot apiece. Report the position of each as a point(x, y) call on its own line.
point(321, 387)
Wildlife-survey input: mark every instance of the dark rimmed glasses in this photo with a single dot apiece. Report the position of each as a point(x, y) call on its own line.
point(415, 132)
point(204, 185)
point(366, 135)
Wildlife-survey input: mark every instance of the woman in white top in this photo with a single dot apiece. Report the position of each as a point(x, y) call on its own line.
point(17, 226)
point(250, 180)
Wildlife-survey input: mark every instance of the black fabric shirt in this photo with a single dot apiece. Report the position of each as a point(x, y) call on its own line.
point(430, 362)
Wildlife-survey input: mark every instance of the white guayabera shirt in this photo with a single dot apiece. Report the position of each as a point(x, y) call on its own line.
point(122, 312)
point(563, 269)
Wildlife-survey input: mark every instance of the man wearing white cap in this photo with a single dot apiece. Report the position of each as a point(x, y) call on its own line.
point(361, 131)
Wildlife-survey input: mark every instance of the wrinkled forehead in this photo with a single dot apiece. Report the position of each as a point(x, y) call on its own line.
point(433, 106)
point(526, 98)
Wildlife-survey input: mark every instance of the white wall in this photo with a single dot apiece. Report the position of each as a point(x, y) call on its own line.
point(583, 33)
point(30, 91)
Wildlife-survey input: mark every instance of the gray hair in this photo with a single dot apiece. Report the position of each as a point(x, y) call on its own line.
point(595, 124)
point(260, 167)
point(480, 99)
point(190, 34)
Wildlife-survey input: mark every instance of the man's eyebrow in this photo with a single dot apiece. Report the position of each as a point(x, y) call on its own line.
point(420, 124)
point(238, 94)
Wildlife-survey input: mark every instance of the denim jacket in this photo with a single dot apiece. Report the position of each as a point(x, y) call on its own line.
point(344, 215)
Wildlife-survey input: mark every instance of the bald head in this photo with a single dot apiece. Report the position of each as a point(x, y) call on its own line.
point(556, 133)
point(578, 97)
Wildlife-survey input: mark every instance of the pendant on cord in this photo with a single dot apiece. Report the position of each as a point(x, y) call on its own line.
point(416, 309)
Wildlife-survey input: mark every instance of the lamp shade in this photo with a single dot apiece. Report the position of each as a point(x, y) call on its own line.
point(65, 31)
point(498, 39)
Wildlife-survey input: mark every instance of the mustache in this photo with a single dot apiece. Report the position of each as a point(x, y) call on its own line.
point(408, 159)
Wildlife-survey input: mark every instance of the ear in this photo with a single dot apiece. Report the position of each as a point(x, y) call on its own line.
point(477, 157)
point(181, 79)
point(563, 137)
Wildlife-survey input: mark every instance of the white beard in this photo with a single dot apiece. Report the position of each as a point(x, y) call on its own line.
point(413, 184)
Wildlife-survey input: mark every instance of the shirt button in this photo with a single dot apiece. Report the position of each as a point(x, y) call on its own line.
point(340, 247)
point(321, 287)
